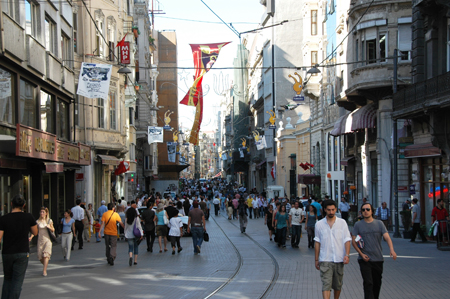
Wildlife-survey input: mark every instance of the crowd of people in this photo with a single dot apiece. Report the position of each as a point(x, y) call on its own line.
point(153, 216)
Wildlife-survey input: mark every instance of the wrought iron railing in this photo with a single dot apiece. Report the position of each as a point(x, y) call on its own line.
point(436, 89)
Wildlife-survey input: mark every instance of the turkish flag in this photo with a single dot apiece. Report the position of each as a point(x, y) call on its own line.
point(122, 42)
point(122, 168)
point(273, 172)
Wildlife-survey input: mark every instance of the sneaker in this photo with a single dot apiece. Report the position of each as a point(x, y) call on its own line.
point(179, 249)
point(130, 261)
point(198, 248)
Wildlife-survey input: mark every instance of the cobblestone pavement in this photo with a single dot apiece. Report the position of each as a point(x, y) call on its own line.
point(231, 265)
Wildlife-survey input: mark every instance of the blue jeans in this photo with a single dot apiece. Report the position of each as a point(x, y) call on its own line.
point(197, 237)
point(14, 268)
point(261, 212)
point(133, 244)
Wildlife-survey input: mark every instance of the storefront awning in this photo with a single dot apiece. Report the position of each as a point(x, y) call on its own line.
point(364, 117)
point(109, 160)
point(309, 179)
point(337, 126)
point(345, 160)
point(343, 125)
point(422, 150)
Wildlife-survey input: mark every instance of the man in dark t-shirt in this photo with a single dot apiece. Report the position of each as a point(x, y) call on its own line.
point(14, 230)
point(196, 225)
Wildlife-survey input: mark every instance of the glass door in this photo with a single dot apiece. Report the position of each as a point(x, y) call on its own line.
point(27, 193)
point(5, 194)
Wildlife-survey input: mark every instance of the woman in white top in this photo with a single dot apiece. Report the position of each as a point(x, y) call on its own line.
point(133, 220)
point(175, 232)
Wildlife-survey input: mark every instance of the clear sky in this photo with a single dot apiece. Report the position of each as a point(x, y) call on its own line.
point(205, 27)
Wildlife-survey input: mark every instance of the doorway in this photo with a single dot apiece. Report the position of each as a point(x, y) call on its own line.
point(5, 194)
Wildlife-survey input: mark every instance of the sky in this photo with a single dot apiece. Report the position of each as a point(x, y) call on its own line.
point(206, 28)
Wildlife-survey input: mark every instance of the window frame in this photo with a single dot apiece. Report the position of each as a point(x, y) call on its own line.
point(401, 56)
point(75, 32)
point(374, 45)
point(314, 22)
point(100, 105)
point(35, 108)
point(50, 35)
point(62, 117)
point(66, 47)
point(112, 99)
point(34, 18)
point(50, 124)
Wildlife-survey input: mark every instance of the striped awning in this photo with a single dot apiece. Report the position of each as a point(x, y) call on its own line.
point(364, 117)
point(337, 126)
point(343, 125)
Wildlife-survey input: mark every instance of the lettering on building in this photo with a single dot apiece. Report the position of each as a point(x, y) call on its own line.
point(73, 154)
point(25, 142)
point(42, 145)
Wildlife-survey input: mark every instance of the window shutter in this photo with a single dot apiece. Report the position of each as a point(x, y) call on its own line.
point(404, 37)
point(371, 33)
point(111, 51)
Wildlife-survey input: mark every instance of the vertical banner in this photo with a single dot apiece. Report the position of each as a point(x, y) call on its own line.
point(261, 143)
point(204, 55)
point(171, 152)
point(155, 134)
point(94, 80)
point(241, 152)
point(125, 53)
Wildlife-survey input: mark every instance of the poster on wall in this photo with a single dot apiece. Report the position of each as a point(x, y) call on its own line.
point(94, 80)
point(171, 151)
point(155, 135)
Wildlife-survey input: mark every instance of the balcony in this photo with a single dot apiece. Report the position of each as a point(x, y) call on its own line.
point(428, 93)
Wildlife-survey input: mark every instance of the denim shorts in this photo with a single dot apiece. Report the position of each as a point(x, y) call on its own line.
point(332, 275)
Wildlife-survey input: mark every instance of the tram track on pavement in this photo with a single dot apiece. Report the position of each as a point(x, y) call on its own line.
point(238, 267)
point(273, 259)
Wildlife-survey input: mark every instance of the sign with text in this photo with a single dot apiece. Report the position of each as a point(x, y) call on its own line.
point(125, 53)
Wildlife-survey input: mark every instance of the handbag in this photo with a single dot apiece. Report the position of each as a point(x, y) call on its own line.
point(205, 236)
point(136, 231)
point(166, 221)
point(51, 234)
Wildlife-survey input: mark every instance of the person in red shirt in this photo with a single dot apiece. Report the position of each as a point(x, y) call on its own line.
point(440, 213)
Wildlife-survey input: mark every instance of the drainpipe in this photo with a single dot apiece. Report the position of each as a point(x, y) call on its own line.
point(395, 180)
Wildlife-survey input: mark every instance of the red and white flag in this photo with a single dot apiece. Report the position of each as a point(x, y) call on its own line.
point(122, 167)
point(122, 42)
point(273, 172)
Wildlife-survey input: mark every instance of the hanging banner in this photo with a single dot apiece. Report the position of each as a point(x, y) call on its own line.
point(204, 55)
point(125, 53)
point(261, 143)
point(155, 135)
point(94, 80)
point(171, 152)
point(241, 152)
point(224, 156)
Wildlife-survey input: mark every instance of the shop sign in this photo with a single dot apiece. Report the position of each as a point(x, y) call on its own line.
point(33, 143)
point(125, 53)
point(402, 188)
point(79, 176)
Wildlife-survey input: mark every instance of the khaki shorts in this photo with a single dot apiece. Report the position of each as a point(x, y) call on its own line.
point(332, 275)
point(161, 230)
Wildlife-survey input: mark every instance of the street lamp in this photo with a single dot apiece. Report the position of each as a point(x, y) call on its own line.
point(124, 70)
point(314, 70)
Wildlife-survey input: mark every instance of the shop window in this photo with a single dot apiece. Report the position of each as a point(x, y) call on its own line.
point(27, 104)
point(7, 103)
point(313, 22)
point(47, 108)
point(31, 18)
point(50, 35)
point(101, 113)
point(112, 110)
point(62, 120)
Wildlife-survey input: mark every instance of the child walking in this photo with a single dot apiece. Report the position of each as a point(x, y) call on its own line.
point(175, 232)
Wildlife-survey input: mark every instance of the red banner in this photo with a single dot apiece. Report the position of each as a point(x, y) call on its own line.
point(125, 53)
point(205, 55)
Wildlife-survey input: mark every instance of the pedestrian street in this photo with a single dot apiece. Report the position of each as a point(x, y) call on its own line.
point(231, 265)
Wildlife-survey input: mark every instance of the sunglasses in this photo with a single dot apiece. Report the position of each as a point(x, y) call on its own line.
point(366, 209)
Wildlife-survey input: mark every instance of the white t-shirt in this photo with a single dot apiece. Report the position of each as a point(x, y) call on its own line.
point(296, 215)
point(175, 223)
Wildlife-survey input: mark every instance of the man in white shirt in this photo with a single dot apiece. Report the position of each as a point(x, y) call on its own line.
point(255, 205)
point(332, 249)
point(344, 208)
point(296, 216)
point(78, 216)
point(216, 202)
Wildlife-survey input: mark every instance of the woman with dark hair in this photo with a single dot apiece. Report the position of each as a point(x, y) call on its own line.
point(311, 219)
point(132, 221)
point(268, 220)
point(68, 227)
point(282, 223)
point(180, 208)
point(186, 206)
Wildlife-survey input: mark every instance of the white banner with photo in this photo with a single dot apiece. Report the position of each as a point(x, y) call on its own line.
point(172, 152)
point(155, 135)
point(94, 80)
point(261, 143)
point(241, 152)
point(224, 156)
